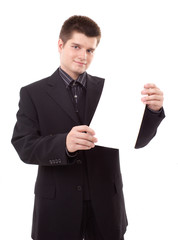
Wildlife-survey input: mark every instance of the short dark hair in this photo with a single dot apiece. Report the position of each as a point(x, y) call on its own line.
point(80, 24)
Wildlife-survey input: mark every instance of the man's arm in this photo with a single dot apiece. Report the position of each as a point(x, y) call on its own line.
point(31, 146)
point(153, 115)
point(50, 150)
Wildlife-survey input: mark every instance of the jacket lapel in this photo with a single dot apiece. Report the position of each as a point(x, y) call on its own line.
point(57, 90)
point(94, 90)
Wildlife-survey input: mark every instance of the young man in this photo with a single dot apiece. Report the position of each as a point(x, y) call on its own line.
point(78, 191)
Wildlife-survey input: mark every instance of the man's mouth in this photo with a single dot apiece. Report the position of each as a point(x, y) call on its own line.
point(80, 63)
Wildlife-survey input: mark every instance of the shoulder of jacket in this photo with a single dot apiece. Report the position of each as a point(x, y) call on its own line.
point(95, 78)
point(36, 84)
point(40, 83)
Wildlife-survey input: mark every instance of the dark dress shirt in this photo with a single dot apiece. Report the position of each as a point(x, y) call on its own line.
point(77, 91)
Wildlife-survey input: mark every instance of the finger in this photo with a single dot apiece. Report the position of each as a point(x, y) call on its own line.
point(153, 103)
point(82, 147)
point(150, 85)
point(77, 147)
point(86, 136)
point(152, 91)
point(85, 143)
point(79, 144)
point(85, 128)
point(152, 98)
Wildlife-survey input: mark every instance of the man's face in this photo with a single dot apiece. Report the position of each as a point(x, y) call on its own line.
point(77, 54)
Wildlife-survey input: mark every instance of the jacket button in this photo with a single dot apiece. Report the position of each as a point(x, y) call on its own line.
point(79, 188)
point(79, 161)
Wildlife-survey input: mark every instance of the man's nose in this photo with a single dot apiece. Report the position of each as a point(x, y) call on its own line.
point(83, 54)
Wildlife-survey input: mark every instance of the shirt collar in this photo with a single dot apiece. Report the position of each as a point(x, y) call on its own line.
point(68, 80)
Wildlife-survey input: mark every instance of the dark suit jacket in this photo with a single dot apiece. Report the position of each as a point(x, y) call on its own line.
point(45, 117)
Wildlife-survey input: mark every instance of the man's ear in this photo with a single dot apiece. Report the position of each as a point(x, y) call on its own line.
point(60, 45)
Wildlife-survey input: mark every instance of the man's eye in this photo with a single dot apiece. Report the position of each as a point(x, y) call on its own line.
point(75, 47)
point(90, 51)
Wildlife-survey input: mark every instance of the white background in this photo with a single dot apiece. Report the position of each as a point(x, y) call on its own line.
point(139, 45)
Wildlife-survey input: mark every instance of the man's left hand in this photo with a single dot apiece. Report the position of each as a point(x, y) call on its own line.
point(154, 98)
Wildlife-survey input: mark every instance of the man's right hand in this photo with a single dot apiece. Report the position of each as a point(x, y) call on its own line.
point(80, 138)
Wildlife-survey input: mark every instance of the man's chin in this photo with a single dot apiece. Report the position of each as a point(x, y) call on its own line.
point(80, 71)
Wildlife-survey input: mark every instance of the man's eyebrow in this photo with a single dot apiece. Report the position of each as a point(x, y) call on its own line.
point(77, 44)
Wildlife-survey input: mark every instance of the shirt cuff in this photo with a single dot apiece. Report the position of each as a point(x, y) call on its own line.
point(69, 154)
point(154, 111)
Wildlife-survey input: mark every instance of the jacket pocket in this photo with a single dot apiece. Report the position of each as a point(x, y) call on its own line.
point(45, 191)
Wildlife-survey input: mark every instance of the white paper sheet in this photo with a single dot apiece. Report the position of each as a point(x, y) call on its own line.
point(116, 121)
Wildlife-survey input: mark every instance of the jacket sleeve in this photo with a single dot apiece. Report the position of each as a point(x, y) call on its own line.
point(149, 125)
point(31, 146)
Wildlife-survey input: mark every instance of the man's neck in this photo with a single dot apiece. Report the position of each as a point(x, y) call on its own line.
point(74, 76)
